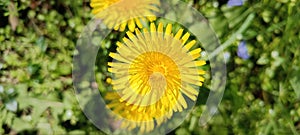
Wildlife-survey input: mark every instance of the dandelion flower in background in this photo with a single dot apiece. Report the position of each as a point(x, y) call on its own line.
point(118, 14)
point(152, 71)
point(242, 51)
point(231, 3)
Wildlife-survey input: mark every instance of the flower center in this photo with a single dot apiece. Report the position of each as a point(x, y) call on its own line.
point(157, 82)
point(154, 72)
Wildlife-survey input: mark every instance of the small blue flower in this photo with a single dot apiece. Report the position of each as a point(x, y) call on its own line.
point(242, 51)
point(231, 3)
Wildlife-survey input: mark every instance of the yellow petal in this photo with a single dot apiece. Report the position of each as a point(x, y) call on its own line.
point(116, 27)
point(151, 18)
point(190, 44)
point(188, 93)
point(138, 32)
point(160, 27)
point(168, 30)
point(200, 63)
point(118, 65)
point(119, 57)
point(196, 51)
point(138, 23)
point(192, 79)
point(96, 4)
point(193, 71)
point(145, 30)
point(131, 25)
point(185, 37)
point(182, 101)
point(130, 35)
point(123, 26)
point(119, 44)
point(178, 34)
point(109, 63)
point(110, 70)
point(152, 27)
point(196, 56)
point(201, 72)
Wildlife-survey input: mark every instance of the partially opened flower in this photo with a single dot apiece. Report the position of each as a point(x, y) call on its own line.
point(118, 14)
point(152, 71)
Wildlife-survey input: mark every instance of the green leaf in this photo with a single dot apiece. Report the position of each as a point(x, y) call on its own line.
point(20, 125)
point(295, 83)
point(263, 60)
point(40, 42)
point(39, 106)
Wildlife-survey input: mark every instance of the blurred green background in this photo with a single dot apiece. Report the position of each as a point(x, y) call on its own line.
point(38, 39)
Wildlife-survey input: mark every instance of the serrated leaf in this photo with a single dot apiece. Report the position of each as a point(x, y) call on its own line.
point(39, 106)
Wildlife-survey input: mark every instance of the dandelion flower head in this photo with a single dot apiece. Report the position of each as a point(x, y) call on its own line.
point(118, 14)
point(154, 72)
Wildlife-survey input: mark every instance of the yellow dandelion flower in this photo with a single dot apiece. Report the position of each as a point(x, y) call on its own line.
point(152, 71)
point(118, 14)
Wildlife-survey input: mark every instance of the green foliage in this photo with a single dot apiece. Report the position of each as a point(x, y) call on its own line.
point(38, 40)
